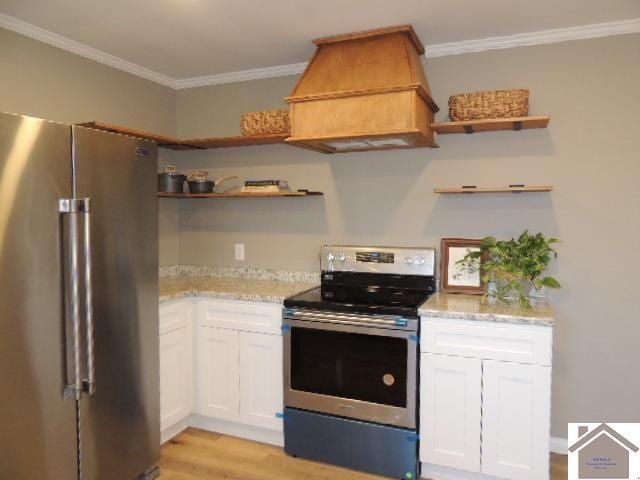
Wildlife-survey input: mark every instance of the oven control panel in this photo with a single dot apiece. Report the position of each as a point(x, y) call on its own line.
point(394, 260)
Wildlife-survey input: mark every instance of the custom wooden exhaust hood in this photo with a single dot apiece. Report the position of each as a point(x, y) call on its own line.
point(364, 91)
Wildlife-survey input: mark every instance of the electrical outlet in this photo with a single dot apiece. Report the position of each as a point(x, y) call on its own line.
point(240, 252)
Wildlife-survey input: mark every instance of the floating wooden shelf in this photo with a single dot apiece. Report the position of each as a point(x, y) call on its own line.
point(299, 193)
point(191, 144)
point(491, 125)
point(162, 140)
point(467, 189)
point(237, 141)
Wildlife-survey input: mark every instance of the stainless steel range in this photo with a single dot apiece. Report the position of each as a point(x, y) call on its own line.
point(350, 359)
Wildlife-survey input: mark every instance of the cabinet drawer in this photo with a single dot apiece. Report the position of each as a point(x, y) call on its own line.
point(174, 315)
point(487, 340)
point(243, 316)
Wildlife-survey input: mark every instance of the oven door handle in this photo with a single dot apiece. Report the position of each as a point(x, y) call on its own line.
point(347, 326)
point(396, 323)
point(346, 320)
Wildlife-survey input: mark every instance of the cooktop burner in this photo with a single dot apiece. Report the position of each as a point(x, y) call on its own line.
point(371, 280)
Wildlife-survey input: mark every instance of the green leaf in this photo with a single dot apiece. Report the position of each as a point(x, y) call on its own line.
point(550, 282)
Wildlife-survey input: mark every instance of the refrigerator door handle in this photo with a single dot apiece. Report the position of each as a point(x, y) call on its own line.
point(89, 384)
point(72, 207)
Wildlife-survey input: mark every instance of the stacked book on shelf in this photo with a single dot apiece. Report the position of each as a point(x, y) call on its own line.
point(265, 186)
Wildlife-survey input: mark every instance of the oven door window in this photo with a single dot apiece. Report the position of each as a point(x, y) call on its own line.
point(356, 366)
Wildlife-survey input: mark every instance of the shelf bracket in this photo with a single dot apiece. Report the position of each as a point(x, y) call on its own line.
point(468, 128)
point(517, 126)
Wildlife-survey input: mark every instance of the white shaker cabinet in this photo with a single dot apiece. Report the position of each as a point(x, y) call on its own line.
point(221, 360)
point(515, 420)
point(176, 371)
point(261, 379)
point(485, 395)
point(239, 369)
point(217, 374)
point(450, 409)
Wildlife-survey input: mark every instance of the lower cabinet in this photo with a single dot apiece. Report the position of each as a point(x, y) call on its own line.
point(176, 366)
point(233, 372)
point(217, 379)
point(485, 415)
point(515, 420)
point(261, 382)
point(239, 377)
point(451, 400)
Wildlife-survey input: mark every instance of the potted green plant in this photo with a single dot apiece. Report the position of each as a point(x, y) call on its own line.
point(513, 269)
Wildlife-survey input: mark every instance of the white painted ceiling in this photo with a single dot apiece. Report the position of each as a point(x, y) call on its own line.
point(191, 38)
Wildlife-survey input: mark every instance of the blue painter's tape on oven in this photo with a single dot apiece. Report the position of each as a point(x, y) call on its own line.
point(286, 328)
point(371, 447)
point(288, 311)
point(414, 338)
point(283, 416)
point(413, 438)
point(401, 322)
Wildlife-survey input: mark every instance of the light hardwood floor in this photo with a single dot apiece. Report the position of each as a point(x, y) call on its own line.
point(200, 455)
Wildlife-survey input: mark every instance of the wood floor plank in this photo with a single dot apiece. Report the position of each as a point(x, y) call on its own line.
point(199, 455)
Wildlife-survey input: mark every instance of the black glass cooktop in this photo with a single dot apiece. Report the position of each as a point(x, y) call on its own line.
point(367, 293)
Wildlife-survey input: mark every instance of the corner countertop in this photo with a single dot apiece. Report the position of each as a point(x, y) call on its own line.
point(478, 308)
point(233, 285)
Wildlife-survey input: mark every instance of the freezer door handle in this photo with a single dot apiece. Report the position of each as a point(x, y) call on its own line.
point(77, 208)
point(89, 384)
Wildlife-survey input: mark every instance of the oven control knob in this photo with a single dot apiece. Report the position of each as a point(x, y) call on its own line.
point(342, 257)
point(330, 257)
point(408, 260)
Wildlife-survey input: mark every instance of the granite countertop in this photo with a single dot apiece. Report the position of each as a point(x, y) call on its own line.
point(233, 288)
point(475, 307)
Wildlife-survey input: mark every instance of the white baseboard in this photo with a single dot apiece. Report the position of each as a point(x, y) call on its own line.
point(558, 445)
point(170, 432)
point(225, 427)
point(436, 472)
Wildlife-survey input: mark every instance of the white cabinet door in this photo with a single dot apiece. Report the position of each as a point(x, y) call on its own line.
point(175, 377)
point(515, 420)
point(261, 380)
point(450, 411)
point(217, 375)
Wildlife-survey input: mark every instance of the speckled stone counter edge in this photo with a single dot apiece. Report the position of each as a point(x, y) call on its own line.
point(478, 310)
point(244, 273)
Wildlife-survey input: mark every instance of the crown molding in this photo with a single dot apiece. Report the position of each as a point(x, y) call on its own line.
point(242, 76)
point(42, 35)
point(432, 51)
point(535, 38)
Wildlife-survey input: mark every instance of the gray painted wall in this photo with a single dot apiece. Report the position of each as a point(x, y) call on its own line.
point(590, 153)
point(43, 81)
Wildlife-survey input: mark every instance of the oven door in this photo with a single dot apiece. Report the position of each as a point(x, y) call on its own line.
point(350, 370)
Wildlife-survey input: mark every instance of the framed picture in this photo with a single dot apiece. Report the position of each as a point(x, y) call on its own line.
point(456, 278)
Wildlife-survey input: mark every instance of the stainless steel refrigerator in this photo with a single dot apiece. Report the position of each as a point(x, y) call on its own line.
point(78, 303)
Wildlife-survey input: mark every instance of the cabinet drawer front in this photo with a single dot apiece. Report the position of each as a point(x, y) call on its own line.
point(243, 316)
point(486, 340)
point(174, 315)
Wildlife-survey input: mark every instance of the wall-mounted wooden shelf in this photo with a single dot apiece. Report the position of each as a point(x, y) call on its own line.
point(467, 189)
point(190, 144)
point(162, 140)
point(299, 193)
point(237, 141)
point(492, 125)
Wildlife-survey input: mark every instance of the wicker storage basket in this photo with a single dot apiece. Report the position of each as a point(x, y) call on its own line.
point(265, 122)
point(491, 104)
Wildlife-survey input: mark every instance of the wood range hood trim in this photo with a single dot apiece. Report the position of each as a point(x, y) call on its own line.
point(364, 85)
